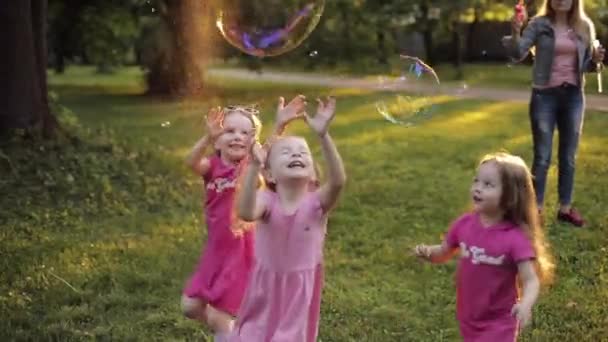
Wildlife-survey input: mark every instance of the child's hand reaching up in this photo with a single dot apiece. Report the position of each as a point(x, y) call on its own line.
point(214, 119)
point(325, 114)
point(294, 110)
point(258, 154)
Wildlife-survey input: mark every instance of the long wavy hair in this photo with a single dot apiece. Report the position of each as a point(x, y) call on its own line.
point(577, 18)
point(519, 203)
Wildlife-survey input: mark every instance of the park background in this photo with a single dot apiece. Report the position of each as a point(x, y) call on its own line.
point(100, 220)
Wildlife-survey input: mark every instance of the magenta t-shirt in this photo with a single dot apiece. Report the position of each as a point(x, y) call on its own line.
point(222, 273)
point(487, 272)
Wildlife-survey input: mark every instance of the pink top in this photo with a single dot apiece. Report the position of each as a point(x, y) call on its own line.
point(283, 299)
point(487, 271)
point(564, 69)
point(222, 273)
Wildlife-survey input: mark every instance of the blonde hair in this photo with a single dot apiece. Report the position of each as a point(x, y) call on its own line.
point(238, 226)
point(577, 17)
point(315, 181)
point(518, 201)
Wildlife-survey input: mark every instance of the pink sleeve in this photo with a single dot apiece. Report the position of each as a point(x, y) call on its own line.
point(453, 238)
point(212, 165)
point(267, 197)
point(315, 203)
point(521, 247)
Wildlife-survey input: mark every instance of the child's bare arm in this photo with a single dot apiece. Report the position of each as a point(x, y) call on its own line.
point(435, 253)
point(251, 203)
point(196, 159)
point(330, 192)
point(531, 288)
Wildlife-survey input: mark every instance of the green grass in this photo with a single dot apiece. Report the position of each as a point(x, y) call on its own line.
point(97, 237)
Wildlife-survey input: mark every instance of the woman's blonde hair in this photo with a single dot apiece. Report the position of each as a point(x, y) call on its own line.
point(577, 18)
point(518, 200)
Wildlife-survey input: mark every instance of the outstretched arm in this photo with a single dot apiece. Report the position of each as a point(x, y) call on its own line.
point(519, 43)
point(435, 253)
point(196, 159)
point(251, 203)
point(329, 192)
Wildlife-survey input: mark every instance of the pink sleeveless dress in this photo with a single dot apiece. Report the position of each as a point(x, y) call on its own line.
point(283, 300)
point(223, 270)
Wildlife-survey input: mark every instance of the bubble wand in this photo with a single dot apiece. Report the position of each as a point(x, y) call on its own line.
point(599, 67)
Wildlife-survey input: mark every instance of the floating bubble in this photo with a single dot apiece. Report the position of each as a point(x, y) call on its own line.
point(165, 124)
point(265, 28)
point(313, 53)
point(416, 89)
point(462, 88)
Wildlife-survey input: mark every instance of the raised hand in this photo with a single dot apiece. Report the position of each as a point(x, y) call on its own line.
point(520, 17)
point(295, 109)
point(325, 114)
point(258, 154)
point(214, 119)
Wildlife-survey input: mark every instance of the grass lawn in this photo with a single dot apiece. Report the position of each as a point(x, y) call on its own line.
point(97, 237)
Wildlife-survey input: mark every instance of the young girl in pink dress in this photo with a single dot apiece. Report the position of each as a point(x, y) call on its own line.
point(500, 242)
point(214, 292)
point(283, 299)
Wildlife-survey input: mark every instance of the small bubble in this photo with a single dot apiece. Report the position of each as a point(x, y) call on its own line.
point(313, 53)
point(462, 87)
point(166, 124)
point(153, 9)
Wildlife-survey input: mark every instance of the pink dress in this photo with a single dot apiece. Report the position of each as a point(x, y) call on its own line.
point(283, 300)
point(486, 277)
point(225, 264)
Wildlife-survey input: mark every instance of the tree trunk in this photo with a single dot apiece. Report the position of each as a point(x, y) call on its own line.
point(23, 88)
point(457, 42)
point(39, 28)
point(471, 54)
point(347, 48)
point(381, 41)
point(427, 34)
point(59, 64)
point(176, 70)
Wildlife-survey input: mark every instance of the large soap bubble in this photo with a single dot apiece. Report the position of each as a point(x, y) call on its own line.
point(416, 89)
point(265, 28)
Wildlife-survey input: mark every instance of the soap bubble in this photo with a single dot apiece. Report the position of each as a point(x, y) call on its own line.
point(265, 28)
point(416, 89)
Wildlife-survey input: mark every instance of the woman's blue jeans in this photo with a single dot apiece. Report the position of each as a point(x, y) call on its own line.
point(561, 107)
